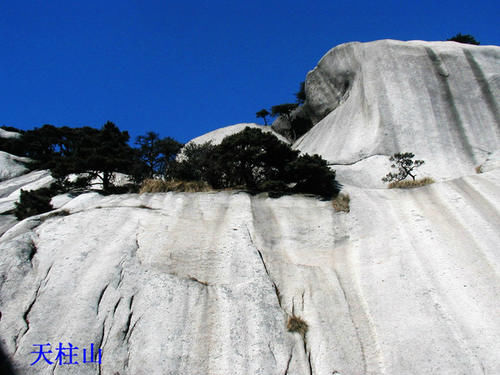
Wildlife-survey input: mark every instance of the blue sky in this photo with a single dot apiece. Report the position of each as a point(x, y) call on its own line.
point(182, 69)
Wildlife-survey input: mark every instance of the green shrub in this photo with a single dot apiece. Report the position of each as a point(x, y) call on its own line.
point(251, 157)
point(197, 163)
point(258, 162)
point(466, 38)
point(275, 188)
point(33, 202)
point(312, 175)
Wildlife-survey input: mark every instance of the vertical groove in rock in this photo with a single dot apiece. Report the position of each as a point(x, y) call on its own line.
point(98, 305)
point(355, 325)
point(449, 100)
point(275, 287)
point(288, 362)
point(488, 95)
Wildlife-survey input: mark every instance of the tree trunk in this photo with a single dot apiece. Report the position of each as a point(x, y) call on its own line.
point(105, 181)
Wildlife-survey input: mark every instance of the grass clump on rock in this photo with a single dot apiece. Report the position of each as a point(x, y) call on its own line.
point(341, 203)
point(408, 184)
point(162, 186)
point(297, 324)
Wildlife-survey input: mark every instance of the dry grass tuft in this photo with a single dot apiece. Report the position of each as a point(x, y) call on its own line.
point(341, 203)
point(478, 169)
point(408, 184)
point(297, 324)
point(160, 186)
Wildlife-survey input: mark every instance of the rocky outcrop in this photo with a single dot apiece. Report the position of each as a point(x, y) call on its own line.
point(216, 136)
point(439, 100)
point(11, 166)
point(407, 282)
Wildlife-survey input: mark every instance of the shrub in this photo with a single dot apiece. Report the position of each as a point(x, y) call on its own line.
point(408, 184)
point(275, 188)
point(196, 163)
point(155, 153)
point(251, 157)
point(32, 203)
point(258, 162)
point(313, 176)
point(300, 125)
point(301, 94)
point(297, 324)
point(284, 110)
point(466, 38)
point(341, 203)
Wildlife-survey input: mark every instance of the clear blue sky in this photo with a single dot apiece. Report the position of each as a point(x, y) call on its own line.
point(185, 68)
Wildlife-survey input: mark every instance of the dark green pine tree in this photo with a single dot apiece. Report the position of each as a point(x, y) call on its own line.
point(155, 153)
point(466, 39)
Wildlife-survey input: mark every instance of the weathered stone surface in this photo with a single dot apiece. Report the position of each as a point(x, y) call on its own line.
point(491, 163)
point(10, 189)
point(11, 166)
point(407, 282)
point(439, 100)
point(218, 135)
point(8, 134)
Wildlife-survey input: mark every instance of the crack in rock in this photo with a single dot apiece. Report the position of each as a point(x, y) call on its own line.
point(288, 363)
point(46, 278)
point(356, 161)
point(100, 298)
point(272, 352)
point(275, 287)
point(19, 337)
point(32, 251)
point(192, 278)
point(308, 359)
point(132, 329)
point(127, 325)
point(356, 328)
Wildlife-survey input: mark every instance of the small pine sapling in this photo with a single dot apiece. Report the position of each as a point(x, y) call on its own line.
point(405, 164)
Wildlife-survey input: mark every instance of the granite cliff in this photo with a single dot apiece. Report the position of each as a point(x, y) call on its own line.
point(407, 282)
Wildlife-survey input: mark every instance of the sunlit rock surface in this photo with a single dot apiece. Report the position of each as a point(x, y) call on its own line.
point(440, 100)
point(407, 282)
point(8, 134)
point(216, 136)
point(11, 166)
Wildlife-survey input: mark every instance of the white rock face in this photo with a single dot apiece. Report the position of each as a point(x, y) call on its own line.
point(438, 100)
point(7, 134)
point(10, 190)
point(215, 137)
point(218, 135)
point(11, 166)
point(493, 162)
point(407, 282)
